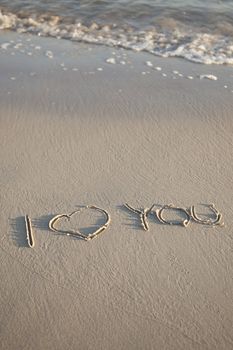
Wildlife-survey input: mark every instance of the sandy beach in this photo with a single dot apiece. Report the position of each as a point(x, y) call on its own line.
point(90, 125)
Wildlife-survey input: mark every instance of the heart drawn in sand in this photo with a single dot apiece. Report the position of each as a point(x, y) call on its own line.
point(87, 237)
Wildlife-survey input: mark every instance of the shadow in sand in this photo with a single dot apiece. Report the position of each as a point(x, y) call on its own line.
point(134, 219)
point(205, 214)
point(42, 223)
point(19, 231)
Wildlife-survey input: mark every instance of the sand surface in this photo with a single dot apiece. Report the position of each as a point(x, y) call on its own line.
point(76, 130)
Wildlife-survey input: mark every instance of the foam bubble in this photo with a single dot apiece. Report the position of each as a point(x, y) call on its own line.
point(149, 64)
point(5, 46)
point(208, 76)
point(111, 60)
point(18, 46)
point(49, 54)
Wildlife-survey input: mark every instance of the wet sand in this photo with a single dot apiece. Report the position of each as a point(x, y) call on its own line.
point(76, 130)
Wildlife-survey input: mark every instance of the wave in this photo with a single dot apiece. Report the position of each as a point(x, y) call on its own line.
point(173, 41)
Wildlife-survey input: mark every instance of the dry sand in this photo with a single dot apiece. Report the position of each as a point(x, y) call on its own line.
point(75, 130)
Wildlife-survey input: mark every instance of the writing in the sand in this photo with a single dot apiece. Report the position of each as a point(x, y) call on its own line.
point(186, 216)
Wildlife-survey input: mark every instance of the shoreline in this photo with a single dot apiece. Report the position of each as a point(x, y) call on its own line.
point(72, 135)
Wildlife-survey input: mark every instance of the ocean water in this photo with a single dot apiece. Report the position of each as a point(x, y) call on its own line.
point(200, 31)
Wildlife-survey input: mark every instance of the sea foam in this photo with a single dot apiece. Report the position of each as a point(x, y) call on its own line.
point(194, 46)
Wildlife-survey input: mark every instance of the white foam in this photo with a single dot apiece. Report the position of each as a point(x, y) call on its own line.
point(208, 76)
point(49, 54)
point(111, 60)
point(5, 46)
point(18, 46)
point(149, 64)
point(194, 46)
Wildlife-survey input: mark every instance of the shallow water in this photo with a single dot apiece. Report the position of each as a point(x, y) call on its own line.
point(201, 31)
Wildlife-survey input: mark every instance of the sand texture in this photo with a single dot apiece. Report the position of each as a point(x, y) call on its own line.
point(76, 130)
